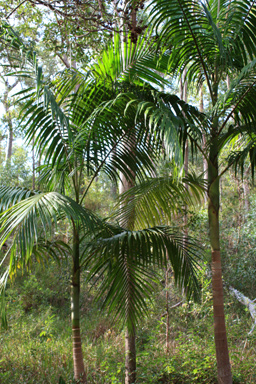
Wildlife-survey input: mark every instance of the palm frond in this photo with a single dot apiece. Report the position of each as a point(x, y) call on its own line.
point(126, 62)
point(124, 258)
point(245, 152)
point(28, 220)
point(203, 35)
point(155, 200)
point(11, 196)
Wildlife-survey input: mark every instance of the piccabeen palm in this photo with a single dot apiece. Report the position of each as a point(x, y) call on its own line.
point(215, 41)
point(81, 127)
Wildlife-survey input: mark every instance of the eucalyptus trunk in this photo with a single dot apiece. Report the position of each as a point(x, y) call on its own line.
point(220, 335)
point(246, 191)
point(9, 140)
point(79, 371)
point(8, 116)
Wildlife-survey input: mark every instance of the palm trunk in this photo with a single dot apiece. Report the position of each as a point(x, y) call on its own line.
point(79, 371)
point(184, 96)
point(130, 356)
point(205, 165)
point(130, 333)
point(222, 354)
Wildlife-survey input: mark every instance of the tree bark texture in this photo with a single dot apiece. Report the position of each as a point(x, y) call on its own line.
point(220, 335)
point(130, 334)
point(205, 164)
point(79, 371)
point(8, 116)
point(184, 96)
point(9, 140)
point(130, 356)
point(246, 191)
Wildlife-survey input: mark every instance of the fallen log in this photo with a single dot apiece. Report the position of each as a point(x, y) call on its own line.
point(250, 304)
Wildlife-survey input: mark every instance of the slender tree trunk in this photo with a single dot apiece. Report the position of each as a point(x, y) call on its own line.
point(239, 219)
point(9, 140)
point(184, 96)
point(205, 168)
point(205, 165)
point(246, 191)
point(8, 117)
point(38, 168)
point(222, 354)
point(167, 312)
point(79, 371)
point(130, 356)
point(7, 105)
point(33, 166)
point(130, 333)
point(1, 139)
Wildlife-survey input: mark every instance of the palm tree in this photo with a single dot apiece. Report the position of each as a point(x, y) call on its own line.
point(214, 40)
point(77, 135)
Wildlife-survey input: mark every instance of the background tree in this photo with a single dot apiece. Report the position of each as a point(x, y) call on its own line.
point(212, 41)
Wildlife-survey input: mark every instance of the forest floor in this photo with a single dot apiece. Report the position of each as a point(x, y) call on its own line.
point(36, 346)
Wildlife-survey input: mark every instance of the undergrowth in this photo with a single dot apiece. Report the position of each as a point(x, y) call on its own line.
point(36, 348)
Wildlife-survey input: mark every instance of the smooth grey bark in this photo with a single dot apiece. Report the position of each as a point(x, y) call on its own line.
point(246, 191)
point(7, 109)
point(250, 304)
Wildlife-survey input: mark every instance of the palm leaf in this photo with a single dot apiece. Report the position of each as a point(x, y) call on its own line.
point(155, 200)
point(205, 35)
point(29, 219)
point(124, 258)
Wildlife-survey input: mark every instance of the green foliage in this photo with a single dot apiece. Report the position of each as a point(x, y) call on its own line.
point(16, 171)
point(239, 239)
point(124, 260)
point(219, 42)
point(28, 358)
point(157, 199)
